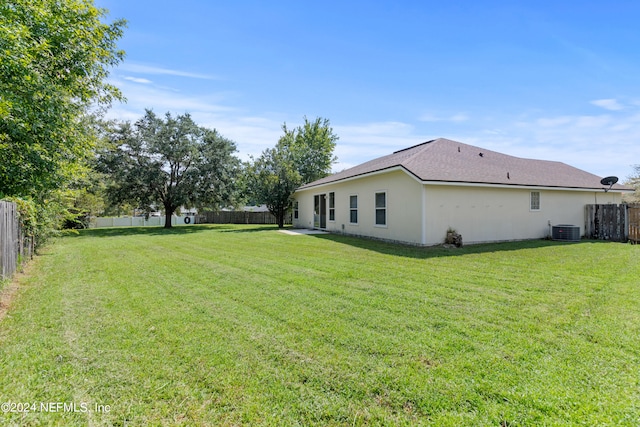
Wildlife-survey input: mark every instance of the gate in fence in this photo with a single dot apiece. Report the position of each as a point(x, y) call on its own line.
point(617, 223)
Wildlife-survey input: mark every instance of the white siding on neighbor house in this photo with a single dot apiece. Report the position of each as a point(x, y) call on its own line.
point(135, 221)
point(420, 213)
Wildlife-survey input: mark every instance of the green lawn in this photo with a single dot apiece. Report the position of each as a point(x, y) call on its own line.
point(235, 325)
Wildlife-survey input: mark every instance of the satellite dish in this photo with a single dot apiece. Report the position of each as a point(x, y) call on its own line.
point(609, 180)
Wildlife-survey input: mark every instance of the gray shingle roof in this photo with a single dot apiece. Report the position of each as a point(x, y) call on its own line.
point(445, 160)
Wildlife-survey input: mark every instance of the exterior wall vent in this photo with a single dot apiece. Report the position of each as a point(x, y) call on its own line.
point(568, 233)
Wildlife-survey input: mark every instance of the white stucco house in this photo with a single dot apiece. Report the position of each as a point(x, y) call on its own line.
point(415, 195)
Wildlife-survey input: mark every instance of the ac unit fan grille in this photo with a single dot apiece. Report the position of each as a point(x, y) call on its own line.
point(567, 233)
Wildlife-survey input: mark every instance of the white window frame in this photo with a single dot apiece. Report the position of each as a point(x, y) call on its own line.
point(351, 209)
point(535, 207)
point(296, 213)
point(377, 208)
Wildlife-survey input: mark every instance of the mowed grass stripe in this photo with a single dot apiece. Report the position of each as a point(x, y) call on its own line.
point(215, 325)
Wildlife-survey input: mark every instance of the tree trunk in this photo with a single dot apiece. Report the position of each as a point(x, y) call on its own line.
point(279, 214)
point(168, 213)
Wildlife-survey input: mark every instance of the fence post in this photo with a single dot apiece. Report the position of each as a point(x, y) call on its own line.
point(625, 226)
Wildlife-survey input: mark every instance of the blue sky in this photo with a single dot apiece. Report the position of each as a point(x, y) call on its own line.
point(537, 79)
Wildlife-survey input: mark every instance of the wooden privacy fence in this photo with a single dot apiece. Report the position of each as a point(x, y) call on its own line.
point(239, 217)
point(617, 223)
point(633, 216)
point(15, 247)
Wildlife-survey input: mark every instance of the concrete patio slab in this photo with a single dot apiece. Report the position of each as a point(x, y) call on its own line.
point(301, 231)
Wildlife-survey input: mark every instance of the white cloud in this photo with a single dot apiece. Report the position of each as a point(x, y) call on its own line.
point(163, 99)
point(456, 118)
point(597, 122)
point(359, 143)
point(459, 118)
point(574, 121)
point(138, 80)
point(376, 129)
point(552, 122)
point(608, 104)
point(150, 69)
point(251, 134)
point(600, 144)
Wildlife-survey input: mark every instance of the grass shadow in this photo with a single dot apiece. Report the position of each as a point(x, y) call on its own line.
point(175, 230)
point(148, 231)
point(251, 229)
point(422, 252)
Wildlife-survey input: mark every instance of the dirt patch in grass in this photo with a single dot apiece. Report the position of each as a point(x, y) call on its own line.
point(10, 290)
point(6, 296)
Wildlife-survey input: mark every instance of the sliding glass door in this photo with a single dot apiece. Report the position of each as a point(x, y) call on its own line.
point(320, 211)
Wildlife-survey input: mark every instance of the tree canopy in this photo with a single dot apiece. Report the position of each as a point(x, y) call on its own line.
point(273, 179)
point(310, 148)
point(634, 181)
point(55, 57)
point(171, 162)
point(302, 155)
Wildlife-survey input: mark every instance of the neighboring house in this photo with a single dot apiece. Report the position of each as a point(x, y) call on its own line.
point(260, 208)
point(415, 195)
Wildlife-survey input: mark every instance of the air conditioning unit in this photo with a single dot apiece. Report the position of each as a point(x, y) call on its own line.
point(565, 232)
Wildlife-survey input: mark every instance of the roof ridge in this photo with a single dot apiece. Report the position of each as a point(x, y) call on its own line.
point(414, 146)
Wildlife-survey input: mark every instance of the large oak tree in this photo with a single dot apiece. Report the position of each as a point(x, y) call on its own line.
point(171, 162)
